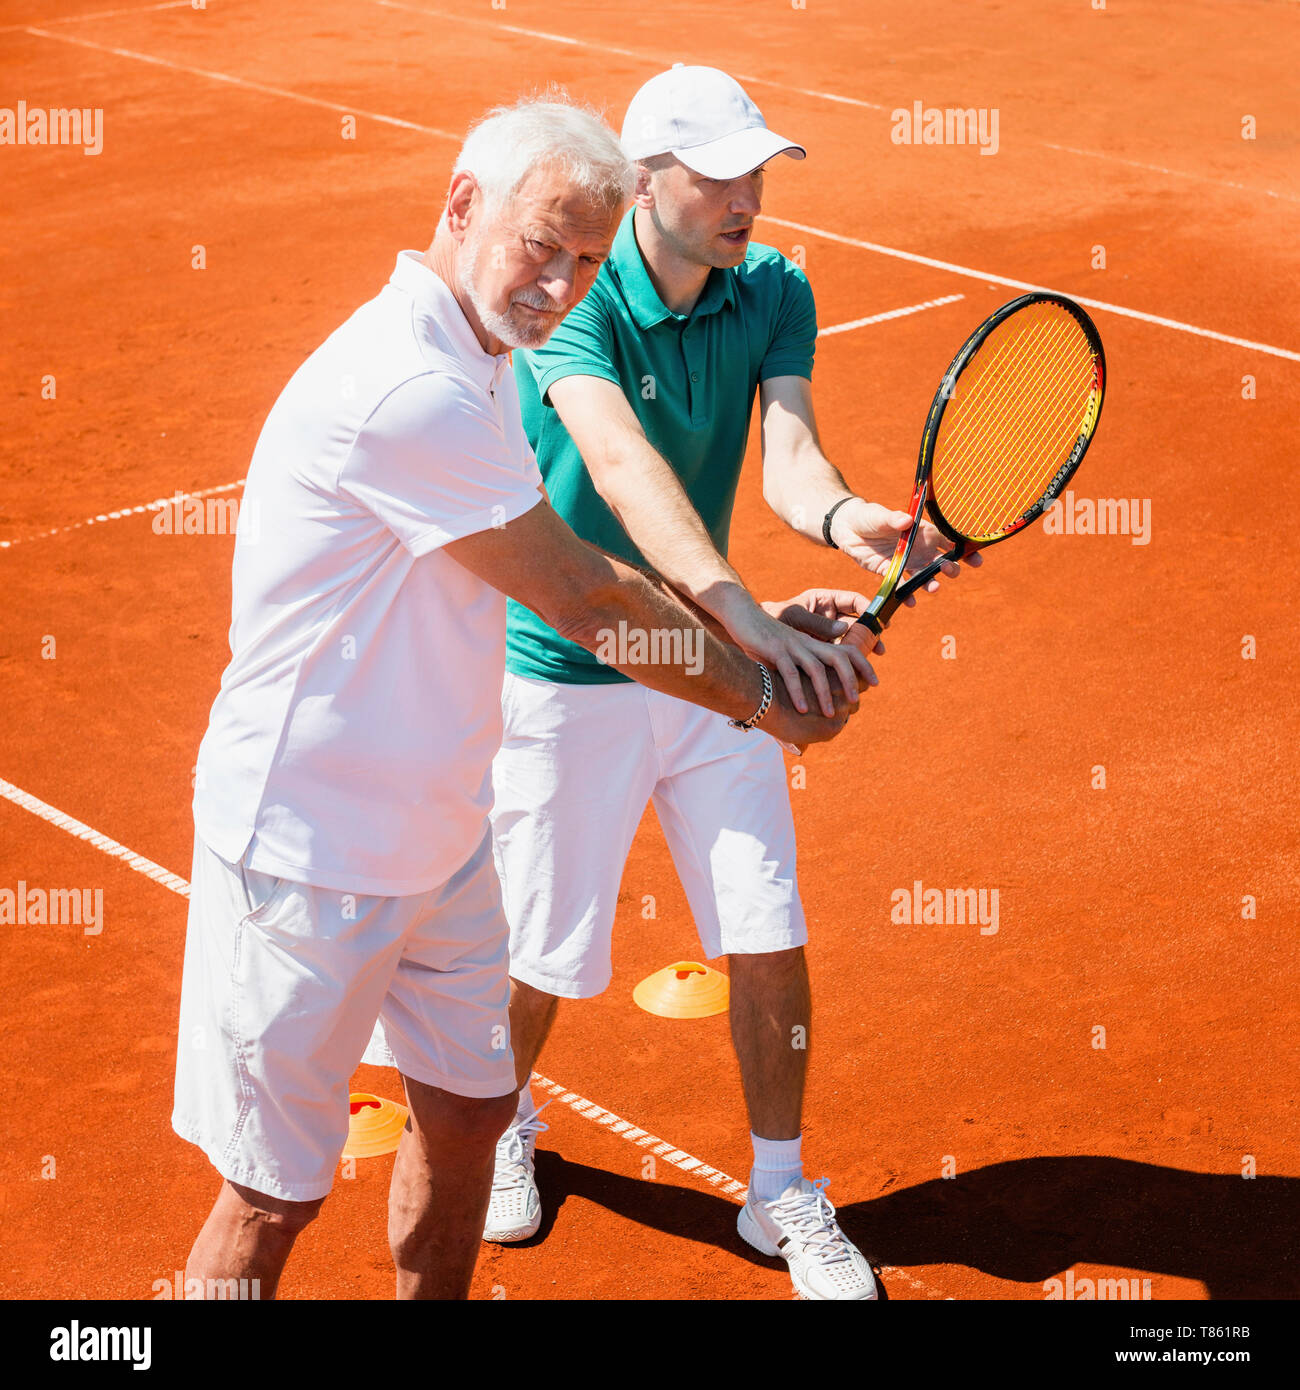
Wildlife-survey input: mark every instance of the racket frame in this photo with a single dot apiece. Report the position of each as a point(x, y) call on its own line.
point(891, 593)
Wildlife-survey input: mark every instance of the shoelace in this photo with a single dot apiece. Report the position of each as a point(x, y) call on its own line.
point(812, 1217)
point(512, 1152)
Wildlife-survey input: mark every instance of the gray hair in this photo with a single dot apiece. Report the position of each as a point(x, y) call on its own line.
point(510, 142)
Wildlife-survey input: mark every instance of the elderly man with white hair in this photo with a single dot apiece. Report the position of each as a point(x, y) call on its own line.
point(343, 865)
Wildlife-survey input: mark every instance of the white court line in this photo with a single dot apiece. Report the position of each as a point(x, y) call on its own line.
point(102, 842)
point(245, 83)
point(569, 42)
point(1173, 173)
point(615, 1124)
point(889, 314)
point(155, 506)
point(752, 80)
point(661, 1148)
point(780, 222)
point(102, 14)
point(1028, 285)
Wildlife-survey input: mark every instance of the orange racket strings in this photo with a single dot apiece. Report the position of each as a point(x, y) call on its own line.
point(994, 390)
point(1024, 452)
point(1012, 428)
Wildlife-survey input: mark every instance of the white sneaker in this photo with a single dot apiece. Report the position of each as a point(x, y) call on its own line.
point(515, 1209)
point(800, 1226)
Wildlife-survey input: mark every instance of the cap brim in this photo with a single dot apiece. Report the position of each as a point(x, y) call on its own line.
point(738, 153)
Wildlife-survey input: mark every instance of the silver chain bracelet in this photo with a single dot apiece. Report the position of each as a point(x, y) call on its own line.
point(763, 706)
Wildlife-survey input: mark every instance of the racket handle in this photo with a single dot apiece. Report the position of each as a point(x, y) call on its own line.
point(877, 617)
point(881, 610)
point(873, 622)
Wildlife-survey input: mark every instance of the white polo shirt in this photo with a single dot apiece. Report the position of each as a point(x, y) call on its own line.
point(351, 744)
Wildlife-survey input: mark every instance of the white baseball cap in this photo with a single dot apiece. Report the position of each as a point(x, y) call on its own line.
point(706, 119)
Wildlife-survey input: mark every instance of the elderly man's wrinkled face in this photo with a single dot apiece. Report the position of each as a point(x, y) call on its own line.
point(525, 264)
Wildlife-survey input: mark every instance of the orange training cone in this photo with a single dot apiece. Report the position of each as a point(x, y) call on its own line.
point(374, 1125)
point(684, 990)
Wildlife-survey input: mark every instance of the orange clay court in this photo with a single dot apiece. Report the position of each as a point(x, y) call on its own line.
point(1100, 727)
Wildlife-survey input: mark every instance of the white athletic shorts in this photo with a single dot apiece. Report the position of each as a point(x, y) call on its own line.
point(576, 768)
point(283, 983)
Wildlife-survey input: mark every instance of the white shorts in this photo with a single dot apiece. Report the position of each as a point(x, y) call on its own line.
point(283, 982)
point(576, 768)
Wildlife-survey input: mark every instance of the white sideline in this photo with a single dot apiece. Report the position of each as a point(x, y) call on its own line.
point(971, 274)
point(889, 314)
point(245, 83)
point(155, 506)
point(100, 841)
point(101, 14)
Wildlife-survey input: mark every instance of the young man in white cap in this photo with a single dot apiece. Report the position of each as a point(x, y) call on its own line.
point(343, 865)
point(638, 409)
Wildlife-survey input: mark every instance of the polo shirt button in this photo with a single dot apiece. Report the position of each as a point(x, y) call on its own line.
point(695, 376)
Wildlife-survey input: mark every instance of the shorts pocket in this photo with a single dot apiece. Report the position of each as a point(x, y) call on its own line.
point(264, 895)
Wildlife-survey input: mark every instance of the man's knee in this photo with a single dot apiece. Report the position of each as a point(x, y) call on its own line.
point(273, 1214)
point(473, 1120)
point(489, 1117)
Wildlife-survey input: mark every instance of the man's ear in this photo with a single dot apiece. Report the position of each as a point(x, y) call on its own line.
point(642, 195)
point(462, 196)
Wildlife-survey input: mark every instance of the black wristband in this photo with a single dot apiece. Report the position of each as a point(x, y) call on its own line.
point(826, 520)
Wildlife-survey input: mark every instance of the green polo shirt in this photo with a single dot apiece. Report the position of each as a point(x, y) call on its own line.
point(690, 378)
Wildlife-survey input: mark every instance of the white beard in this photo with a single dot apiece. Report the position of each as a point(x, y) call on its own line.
point(513, 332)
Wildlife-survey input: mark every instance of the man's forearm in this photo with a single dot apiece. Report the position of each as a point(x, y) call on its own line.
point(802, 490)
point(636, 624)
point(652, 506)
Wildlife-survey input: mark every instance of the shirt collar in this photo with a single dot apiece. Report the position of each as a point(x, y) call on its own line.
point(432, 293)
point(628, 267)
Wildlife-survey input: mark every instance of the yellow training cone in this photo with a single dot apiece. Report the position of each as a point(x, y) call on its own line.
point(685, 990)
point(374, 1125)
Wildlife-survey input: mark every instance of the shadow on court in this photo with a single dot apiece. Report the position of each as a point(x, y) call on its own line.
point(1026, 1220)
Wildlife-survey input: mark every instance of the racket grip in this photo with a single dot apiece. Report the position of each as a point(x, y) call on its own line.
point(881, 610)
point(878, 620)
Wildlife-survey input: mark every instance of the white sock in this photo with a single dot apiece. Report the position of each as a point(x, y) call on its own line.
point(777, 1163)
point(526, 1106)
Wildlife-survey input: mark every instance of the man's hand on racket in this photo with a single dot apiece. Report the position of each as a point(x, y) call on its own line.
point(792, 652)
point(824, 613)
point(868, 533)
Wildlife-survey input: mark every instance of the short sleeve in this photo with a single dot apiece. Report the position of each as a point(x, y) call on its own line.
point(583, 345)
point(434, 464)
point(794, 338)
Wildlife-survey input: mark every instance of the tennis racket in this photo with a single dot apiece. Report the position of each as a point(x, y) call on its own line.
point(1009, 426)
